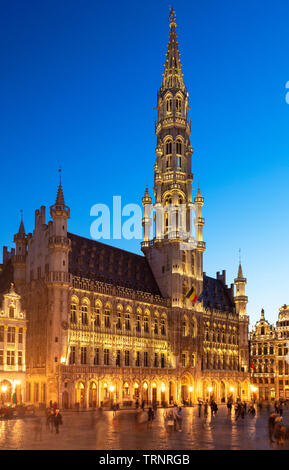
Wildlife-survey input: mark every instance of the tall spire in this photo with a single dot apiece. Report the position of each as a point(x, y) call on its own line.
point(60, 196)
point(173, 76)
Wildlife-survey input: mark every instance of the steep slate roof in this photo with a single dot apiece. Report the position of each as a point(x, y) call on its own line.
point(216, 295)
point(95, 260)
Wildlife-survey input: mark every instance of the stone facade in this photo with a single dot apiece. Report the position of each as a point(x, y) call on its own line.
point(13, 326)
point(105, 324)
point(269, 357)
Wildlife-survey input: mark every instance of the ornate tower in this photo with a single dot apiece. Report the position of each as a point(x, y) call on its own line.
point(19, 260)
point(240, 298)
point(174, 254)
point(58, 290)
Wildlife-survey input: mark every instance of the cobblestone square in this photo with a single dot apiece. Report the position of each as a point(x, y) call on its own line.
point(88, 431)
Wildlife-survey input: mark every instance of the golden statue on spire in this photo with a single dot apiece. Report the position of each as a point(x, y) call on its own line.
point(172, 15)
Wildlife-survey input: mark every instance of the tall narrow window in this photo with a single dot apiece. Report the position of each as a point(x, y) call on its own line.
point(169, 105)
point(117, 360)
point(1, 334)
point(73, 313)
point(146, 324)
point(11, 312)
point(11, 334)
point(106, 357)
point(20, 336)
point(97, 317)
point(10, 358)
point(137, 360)
point(163, 326)
point(83, 354)
point(145, 359)
point(19, 358)
point(169, 147)
point(107, 318)
point(127, 321)
point(84, 317)
point(96, 357)
point(72, 355)
point(138, 326)
point(118, 321)
point(126, 358)
point(178, 105)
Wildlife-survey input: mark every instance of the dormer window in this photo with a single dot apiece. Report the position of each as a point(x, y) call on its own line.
point(11, 312)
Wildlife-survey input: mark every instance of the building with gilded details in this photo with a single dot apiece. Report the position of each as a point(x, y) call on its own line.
point(269, 357)
point(105, 324)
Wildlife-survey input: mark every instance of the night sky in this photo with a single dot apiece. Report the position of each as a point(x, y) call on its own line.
point(78, 88)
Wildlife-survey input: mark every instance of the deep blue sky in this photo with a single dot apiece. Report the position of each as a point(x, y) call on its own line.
point(78, 88)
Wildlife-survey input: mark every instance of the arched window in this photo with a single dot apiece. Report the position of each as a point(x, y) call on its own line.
point(84, 315)
point(169, 105)
point(163, 326)
point(127, 321)
point(179, 147)
point(97, 316)
point(118, 319)
point(146, 323)
point(156, 327)
point(169, 147)
point(185, 327)
point(73, 317)
point(107, 318)
point(178, 105)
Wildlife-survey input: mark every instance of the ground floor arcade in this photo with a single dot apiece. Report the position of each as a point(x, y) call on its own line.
point(86, 389)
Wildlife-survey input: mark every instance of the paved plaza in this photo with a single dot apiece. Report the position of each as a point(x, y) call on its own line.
point(86, 430)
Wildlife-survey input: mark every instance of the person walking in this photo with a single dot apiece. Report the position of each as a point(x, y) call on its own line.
point(57, 420)
point(50, 420)
point(206, 409)
point(281, 409)
point(229, 407)
point(271, 426)
point(37, 429)
point(150, 417)
point(180, 419)
point(279, 431)
point(200, 404)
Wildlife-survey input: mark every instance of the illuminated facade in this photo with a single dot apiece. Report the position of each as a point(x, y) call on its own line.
point(13, 327)
point(269, 356)
point(106, 324)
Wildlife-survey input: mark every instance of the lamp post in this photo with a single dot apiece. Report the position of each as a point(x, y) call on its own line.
point(3, 390)
point(210, 389)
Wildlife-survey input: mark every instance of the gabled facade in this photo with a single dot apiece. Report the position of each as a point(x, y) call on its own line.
point(269, 346)
point(13, 326)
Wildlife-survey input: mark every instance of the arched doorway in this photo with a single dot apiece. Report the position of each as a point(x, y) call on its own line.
point(136, 391)
point(80, 394)
point(92, 397)
point(171, 393)
point(65, 400)
point(223, 392)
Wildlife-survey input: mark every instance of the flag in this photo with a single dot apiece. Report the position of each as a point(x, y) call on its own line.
point(252, 366)
point(192, 294)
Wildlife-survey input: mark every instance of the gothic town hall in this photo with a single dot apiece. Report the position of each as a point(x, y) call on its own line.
point(104, 324)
